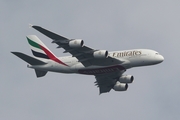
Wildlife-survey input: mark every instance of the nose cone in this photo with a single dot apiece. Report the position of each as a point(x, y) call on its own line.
point(159, 58)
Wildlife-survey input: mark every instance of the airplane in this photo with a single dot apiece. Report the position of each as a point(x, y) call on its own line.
point(107, 67)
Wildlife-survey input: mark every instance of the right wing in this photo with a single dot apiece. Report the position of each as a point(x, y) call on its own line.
point(106, 82)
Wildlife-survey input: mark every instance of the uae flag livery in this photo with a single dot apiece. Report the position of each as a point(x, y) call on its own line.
point(40, 50)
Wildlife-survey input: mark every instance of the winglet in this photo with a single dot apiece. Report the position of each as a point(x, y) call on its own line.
point(30, 25)
point(48, 33)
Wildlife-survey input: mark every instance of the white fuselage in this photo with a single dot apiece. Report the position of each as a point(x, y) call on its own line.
point(122, 60)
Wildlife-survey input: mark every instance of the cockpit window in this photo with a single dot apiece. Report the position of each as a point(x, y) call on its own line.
point(157, 53)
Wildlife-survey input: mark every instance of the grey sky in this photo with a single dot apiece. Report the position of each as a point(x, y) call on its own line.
point(103, 24)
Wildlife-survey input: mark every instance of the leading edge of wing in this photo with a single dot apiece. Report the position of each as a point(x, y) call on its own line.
point(48, 33)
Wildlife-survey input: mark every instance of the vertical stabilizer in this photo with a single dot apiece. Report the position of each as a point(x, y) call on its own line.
point(40, 50)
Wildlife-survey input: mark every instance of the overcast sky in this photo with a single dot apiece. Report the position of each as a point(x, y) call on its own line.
point(103, 24)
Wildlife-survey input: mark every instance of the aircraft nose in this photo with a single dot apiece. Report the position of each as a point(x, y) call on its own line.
point(159, 58)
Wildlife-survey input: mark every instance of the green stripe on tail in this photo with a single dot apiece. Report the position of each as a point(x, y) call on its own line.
point(34, 44)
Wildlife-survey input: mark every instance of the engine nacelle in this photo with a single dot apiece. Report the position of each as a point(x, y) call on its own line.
point(100, 54)
point(126, 79)
point(120, 86)
point(76, 43)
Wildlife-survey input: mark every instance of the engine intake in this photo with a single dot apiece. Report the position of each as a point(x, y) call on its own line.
point(100, 54)
point(126, 79)
point(77, 43)
point(120, 86)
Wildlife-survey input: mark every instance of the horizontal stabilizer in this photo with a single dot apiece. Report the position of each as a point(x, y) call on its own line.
point(40, 73)
point(29, 59)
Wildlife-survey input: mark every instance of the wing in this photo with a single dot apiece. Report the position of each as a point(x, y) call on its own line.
point(83, 54)
point(106, 82)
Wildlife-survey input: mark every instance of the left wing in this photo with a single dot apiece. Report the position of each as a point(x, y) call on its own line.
point(83, 53)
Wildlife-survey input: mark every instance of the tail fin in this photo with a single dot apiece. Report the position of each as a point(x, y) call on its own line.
point(40, 50)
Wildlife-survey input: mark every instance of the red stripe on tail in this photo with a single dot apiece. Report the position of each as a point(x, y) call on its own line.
point(51, 56)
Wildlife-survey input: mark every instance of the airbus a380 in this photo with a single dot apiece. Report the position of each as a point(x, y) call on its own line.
point(107, 67)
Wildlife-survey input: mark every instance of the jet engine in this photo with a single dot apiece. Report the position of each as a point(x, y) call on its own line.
point(77, 43)
point(126, 79)
point(120, 86)
point(100, 54)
